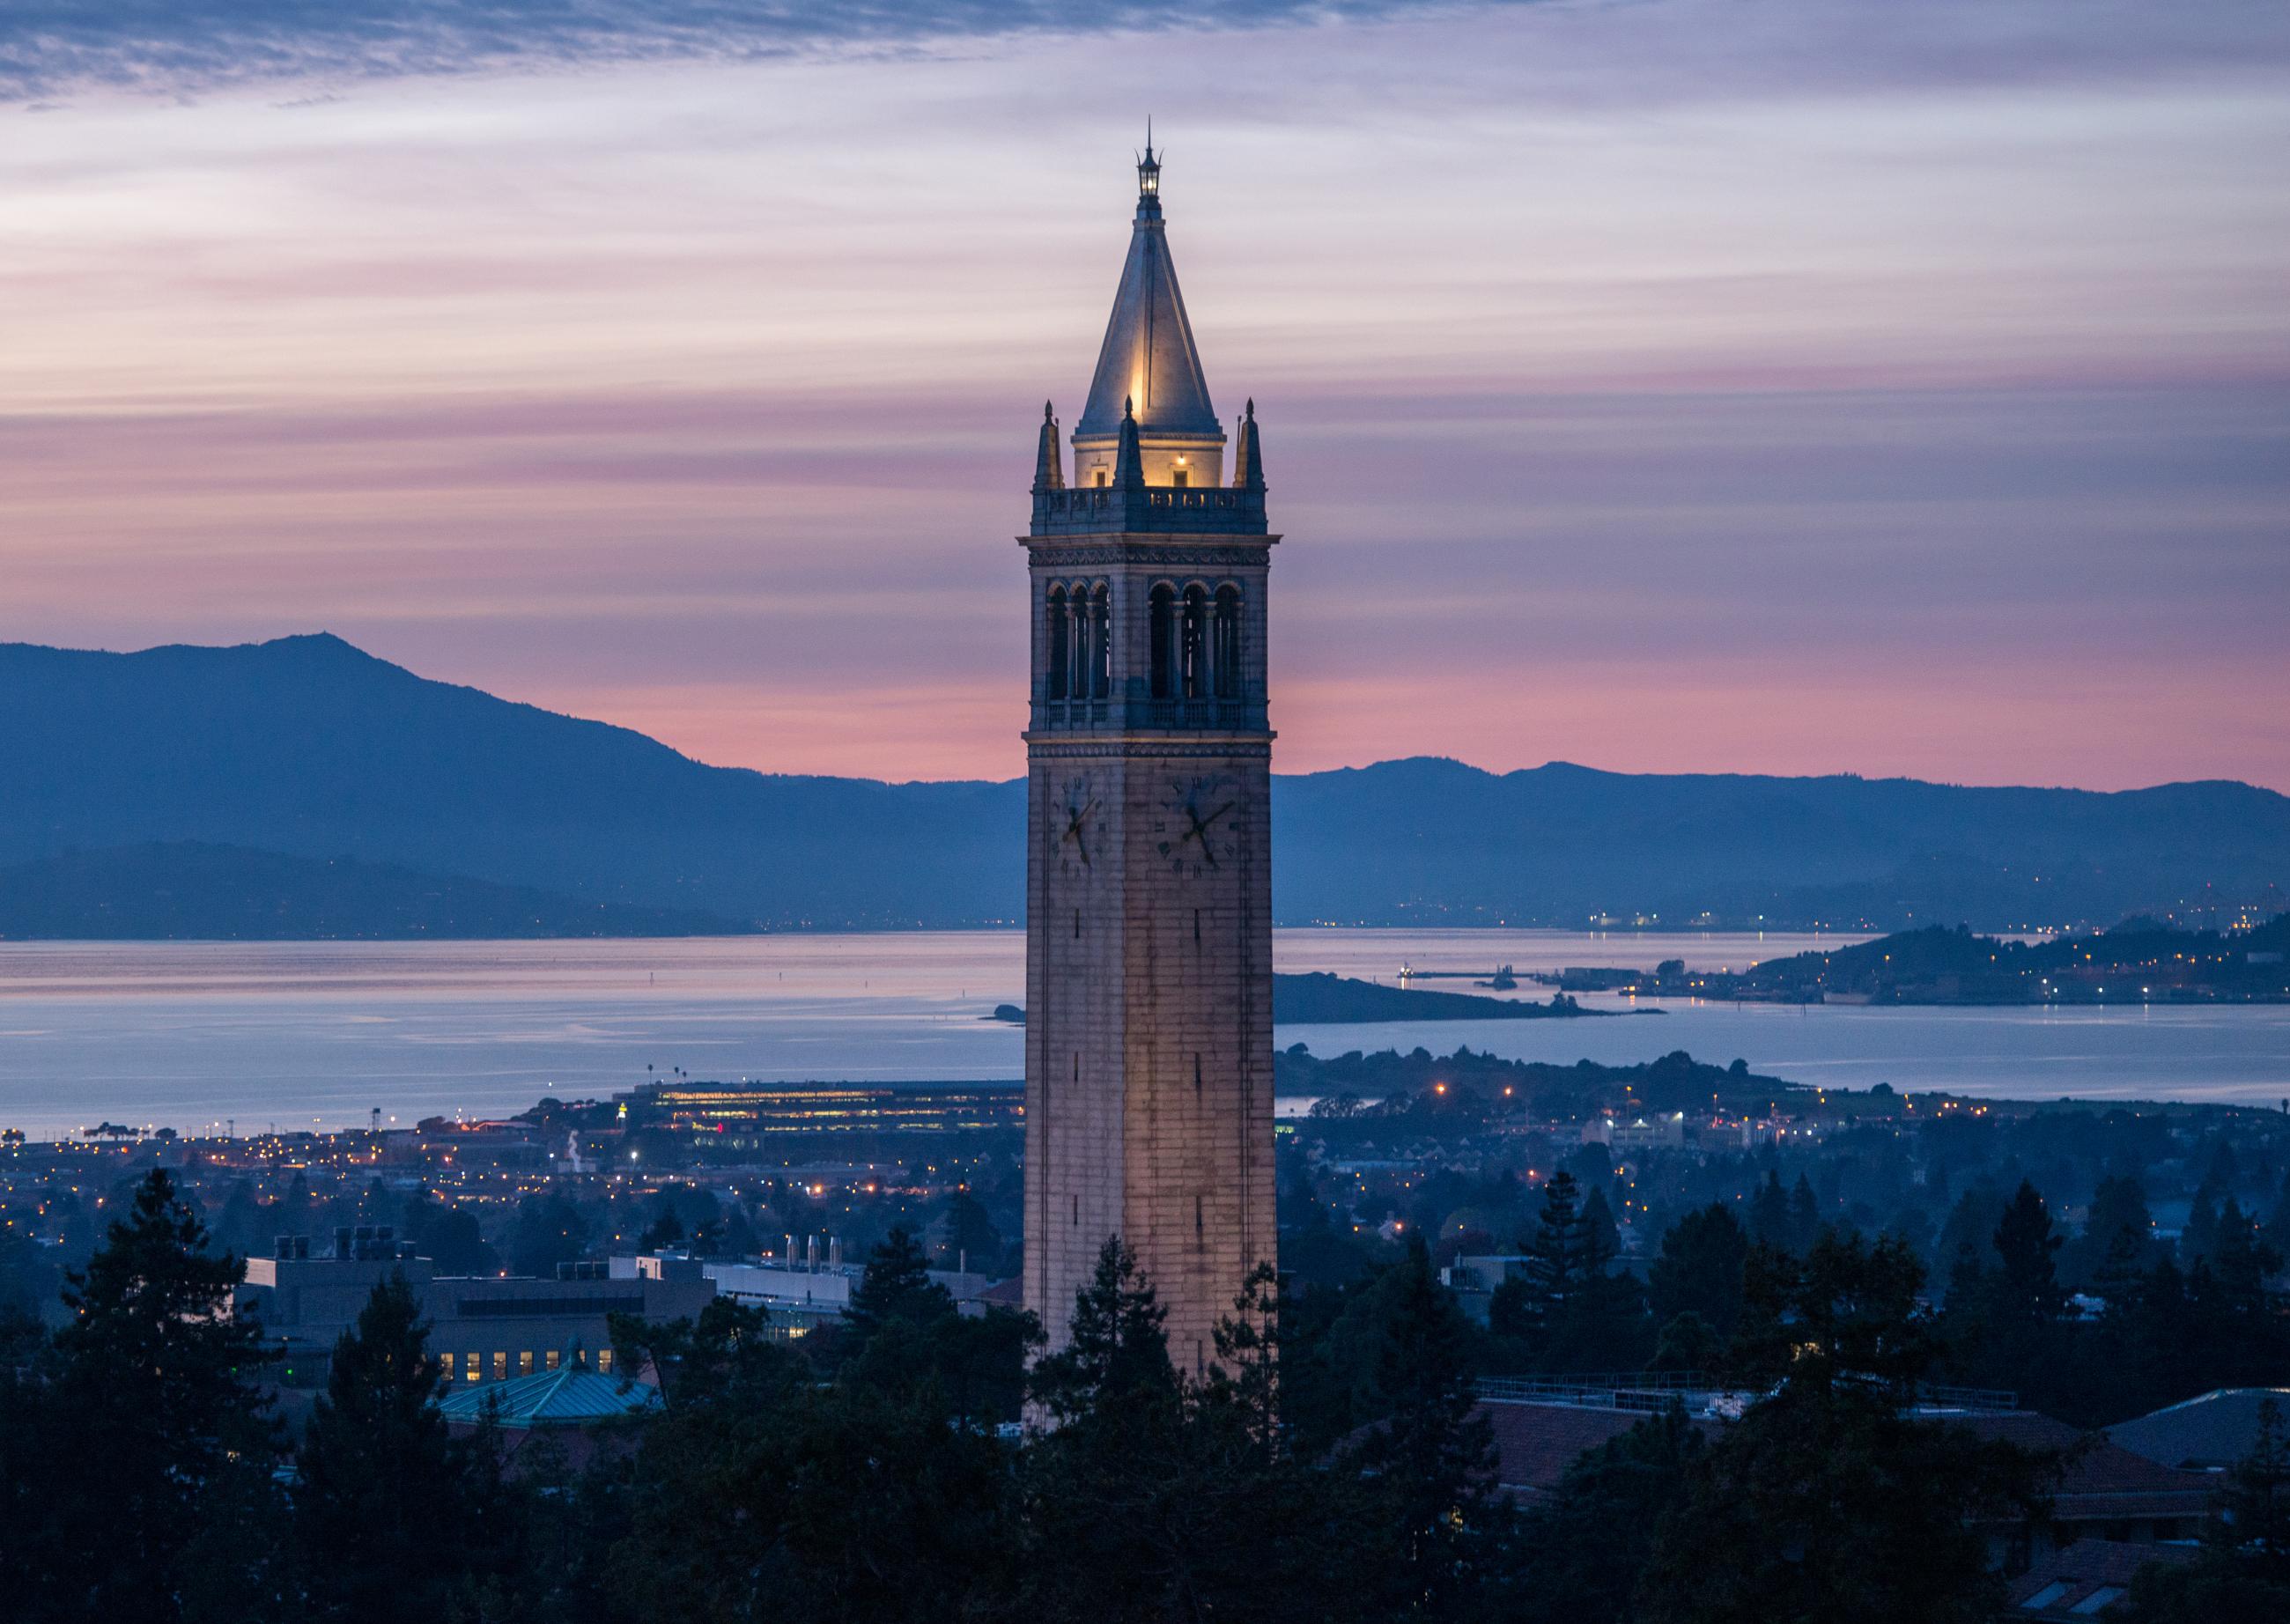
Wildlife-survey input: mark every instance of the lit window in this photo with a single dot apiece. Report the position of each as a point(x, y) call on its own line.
point(501, 1365)
point(475, 1369)
point(604, 1360)
point(553, 1356)
point(524, 1362)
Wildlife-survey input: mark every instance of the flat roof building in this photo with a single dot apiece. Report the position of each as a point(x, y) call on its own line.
point(484, 1328)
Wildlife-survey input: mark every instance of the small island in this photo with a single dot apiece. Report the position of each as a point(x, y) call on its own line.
point(2141, 961)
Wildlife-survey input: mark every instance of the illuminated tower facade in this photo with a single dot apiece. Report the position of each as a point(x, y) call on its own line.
point(1149, 872)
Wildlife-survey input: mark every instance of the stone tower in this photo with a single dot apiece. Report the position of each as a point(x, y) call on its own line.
point(1149, 872)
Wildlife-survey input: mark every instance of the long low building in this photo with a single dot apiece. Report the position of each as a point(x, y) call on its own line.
point(483, 1327)
point(750, 1116)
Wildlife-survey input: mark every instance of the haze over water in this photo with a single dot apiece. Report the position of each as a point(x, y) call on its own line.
point(318, 1033)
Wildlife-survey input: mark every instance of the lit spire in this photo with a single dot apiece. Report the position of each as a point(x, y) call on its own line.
point(1148, 355)
point(1148, 178)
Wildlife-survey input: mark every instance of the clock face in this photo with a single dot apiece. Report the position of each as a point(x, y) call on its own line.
point(1074, 824)
point(1199, 824)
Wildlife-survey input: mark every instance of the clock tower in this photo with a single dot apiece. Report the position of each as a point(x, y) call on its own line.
point(1149, 873)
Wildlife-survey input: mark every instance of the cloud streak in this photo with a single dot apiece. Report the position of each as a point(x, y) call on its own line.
point(48, 49)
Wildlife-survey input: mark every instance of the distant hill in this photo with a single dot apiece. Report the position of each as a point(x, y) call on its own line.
point(307, 747)
point(185, 890)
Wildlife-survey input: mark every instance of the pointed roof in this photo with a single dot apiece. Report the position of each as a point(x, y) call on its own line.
point(1149, 356)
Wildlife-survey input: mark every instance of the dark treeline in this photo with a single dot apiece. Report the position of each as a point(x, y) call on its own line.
point(2041, 1234)
point(1333, 1469)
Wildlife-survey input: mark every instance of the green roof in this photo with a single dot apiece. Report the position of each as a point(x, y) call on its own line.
point(567, 1396)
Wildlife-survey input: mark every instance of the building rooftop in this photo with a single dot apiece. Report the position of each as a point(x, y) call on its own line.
point(2211, 1432)
point(2085, 1579)
point(567, 1396)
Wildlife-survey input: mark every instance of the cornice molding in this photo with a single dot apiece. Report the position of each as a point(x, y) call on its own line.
point(1224, 745)
point(1064, 553)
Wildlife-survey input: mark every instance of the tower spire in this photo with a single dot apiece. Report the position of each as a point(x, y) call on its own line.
point(1247, 455)
point(1148, 355)
point(1128, 456)
point(1148, 178)
point(1049, 460)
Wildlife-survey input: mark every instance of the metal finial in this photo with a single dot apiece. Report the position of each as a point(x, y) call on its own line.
point(1047, 414)
point(1129, 405)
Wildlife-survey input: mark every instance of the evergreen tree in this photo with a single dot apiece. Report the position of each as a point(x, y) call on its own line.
point(2118, 1223)
point(1176, 1500)
point(1699, 1269)
point(1527, 1305)
point(394, 1519)
point(2026, 1287)
point(1431, 1462)
point(2200, 1235)
point(1688, 1343)
point(1588, 1541)
point(139, 1452)
point(1804, 1216)
point(1116, 1347)
point(1602, 1237)
point(550, 1230)
point(1827, 1499)
point(971, 1237)
point(896, 1286)
point(1769, 1214)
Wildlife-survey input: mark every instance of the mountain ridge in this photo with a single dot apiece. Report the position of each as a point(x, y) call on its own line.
point(312, 747)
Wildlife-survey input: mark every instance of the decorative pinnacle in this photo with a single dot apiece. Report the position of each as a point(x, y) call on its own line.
point(1047, 415)
point(1129, 405)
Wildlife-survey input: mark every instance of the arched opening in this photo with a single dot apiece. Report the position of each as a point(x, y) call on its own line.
point(1163, 633)
point(1061, 657)
point(1225, 654)
point(1101, 643)
point(1194, 651)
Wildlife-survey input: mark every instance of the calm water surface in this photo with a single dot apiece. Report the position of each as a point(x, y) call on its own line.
point(295, 1034)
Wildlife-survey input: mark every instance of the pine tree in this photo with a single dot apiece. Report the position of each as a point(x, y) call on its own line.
point(140, 1469)
point(1699, 1269)
point(1769, 1214)
point(1602, 1237)
point(2027, 1290)
point(1827, 1499)
point(896, 1286)
point(1432, 1460)
point(393, 1516)
point(1804, 1216)
point(1248, 1357)
point(1118, 1349)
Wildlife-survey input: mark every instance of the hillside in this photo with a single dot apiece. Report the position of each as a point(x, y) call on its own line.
point(185, 890)
point(308, 747)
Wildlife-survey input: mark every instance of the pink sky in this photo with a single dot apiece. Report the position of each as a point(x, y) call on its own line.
point(1672, 387)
